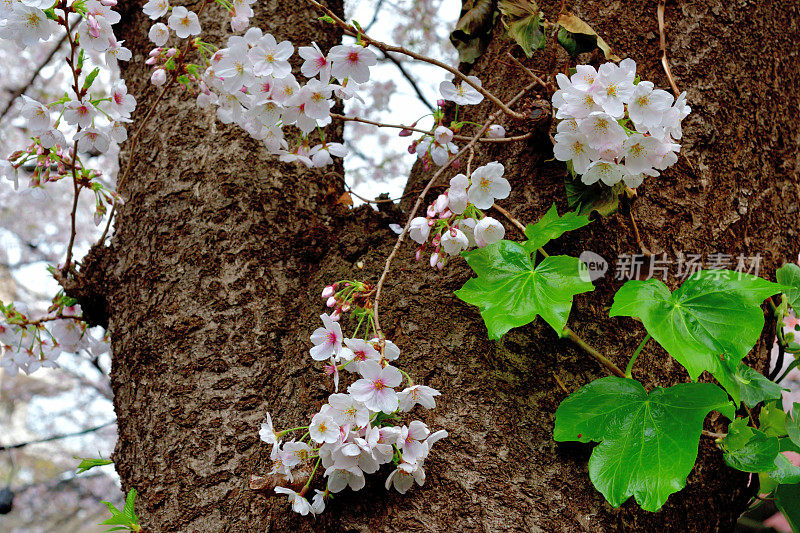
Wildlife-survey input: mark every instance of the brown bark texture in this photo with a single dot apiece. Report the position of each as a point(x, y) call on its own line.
point(213, 277)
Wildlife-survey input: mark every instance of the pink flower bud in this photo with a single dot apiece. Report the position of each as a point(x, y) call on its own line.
point(159, 77)
point(172, 52)
point(328, 291)
point(441, 103)
point(434, 259)
point(335, 315)
point(155, 52)
point(444, 215)
point(108, 3)
point(412, 148)
point(331, 302)
point(418, 255)
point(151, 61)
point(496, 131)
point(345, 308)
point(94, 26)
point(431, 211)
point(405, 132)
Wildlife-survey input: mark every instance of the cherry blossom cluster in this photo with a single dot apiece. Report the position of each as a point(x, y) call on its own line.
point(93, 120)
point(355, 432)
point(27, 345)
point(613, 127)
point(438, 147)
point(455, 222)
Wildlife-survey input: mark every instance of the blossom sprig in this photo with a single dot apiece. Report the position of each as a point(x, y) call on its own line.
point(354, 433)
point(28, 343)
point(613, 127)
point(455, 221)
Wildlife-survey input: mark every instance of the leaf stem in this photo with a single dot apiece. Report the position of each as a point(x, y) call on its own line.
point(629, 368)
point(600, 358)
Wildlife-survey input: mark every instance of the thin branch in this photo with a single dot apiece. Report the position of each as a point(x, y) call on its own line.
point(530, 73)
point(410, 79)
point(664, 61)
point(418, 203)
point(375, 15)
point(418, 130)
point(57, 437)
point(600, 358)
point(33, 77)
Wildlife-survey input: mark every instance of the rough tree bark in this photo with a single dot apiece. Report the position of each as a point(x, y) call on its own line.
point(213, 277)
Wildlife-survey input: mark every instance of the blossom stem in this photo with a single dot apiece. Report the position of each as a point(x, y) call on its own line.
point(314, 471)
point(629, 368)
point(285, 431)
point(417, 204)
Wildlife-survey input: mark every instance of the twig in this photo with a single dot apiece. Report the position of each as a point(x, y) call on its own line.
point(418, 130)
point(32, 79)
point(645, 250)
point(420, 198)
point(713, 435)
point(57, 437)
point(353, 32)
point(530, 73)
point(520, 226)
point(410, 79)
point(664, 61)
point(560, 384)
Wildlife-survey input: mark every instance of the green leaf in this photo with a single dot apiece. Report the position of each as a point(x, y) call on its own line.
point(523, 20)
point(90, 78)
point(787, 498)
point(789, 276)
point(588, 198)
point(551, 226)
point(793, 425)
point(576, 43)
point(748, 449)
point(648, 442)
point(129, 502)
point(710, 323)
point(510, 291)
point(772, 419)
point(576, 26)
point(87, 464)
point(473, 30)
point(785, 472)
point(756, 388)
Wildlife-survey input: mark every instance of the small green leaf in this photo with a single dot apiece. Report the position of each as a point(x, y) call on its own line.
point(551, 226)
point(756, 388)
point(748, 449)
point(510, 291)
point(789, 276)
point(523, 20)
point(576, 43)
point(772, 419)
point(588, 198)
point(648, 442)
point(710, 323)
point(87, 464)
point(129, 502)
point(90, 78)
point(787, 498)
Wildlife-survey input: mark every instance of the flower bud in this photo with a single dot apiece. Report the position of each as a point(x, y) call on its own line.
point(434, 259)
point(150, 61)
point(405, 132)
point(172, 52)
point(418, 255)
point(496, 131)
point(331, 302)
point(155, 52)
point(441, 102)
point(159, 77)
point(328, 291)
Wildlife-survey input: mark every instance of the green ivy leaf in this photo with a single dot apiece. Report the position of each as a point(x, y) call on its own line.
point(789, 276)
point(748, 449)
point(510, 291)
point(756, 388)
point(576, 43)
point(87, 464)
point(551, 226)
point(648, 442)
point(710, 323)
point(785, 471)
point(772, 419)
point(787, 498)
point(793, 425)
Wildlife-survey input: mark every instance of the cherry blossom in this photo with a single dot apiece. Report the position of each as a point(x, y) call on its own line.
point(488, 231)
point(461, 93)
point(376, 389)
point(327, 340)
point(184, 22)
point(351, 61)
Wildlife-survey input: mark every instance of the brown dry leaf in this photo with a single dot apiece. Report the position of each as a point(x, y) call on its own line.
point(573, 24)
point(345, 199)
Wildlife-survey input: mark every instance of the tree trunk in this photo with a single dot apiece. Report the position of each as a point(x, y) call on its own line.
point(221, 252)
